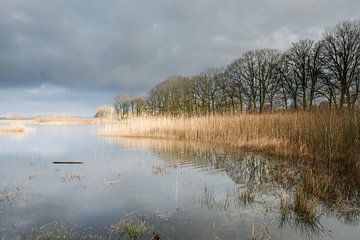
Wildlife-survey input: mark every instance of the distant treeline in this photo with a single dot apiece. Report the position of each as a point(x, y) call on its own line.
point(309, 74)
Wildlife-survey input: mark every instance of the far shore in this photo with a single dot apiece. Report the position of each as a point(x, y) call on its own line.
point(61, 120)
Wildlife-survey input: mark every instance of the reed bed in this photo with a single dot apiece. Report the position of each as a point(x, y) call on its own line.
point(65, 120)
point(317, 135)
point(13, 128)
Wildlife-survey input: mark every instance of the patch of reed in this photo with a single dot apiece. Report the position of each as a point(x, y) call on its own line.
point(70, 120)
point(321, 135)
point(305, 206)
point(68, 177)
point(13, 128)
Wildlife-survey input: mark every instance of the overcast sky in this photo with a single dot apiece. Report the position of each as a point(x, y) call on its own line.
point(71, 56)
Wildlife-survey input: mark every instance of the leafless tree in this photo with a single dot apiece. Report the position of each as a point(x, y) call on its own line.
point(342, 60)
point(267, 61)
point(250, 82)
point(235, 83)
point(122, 105)
point(298, 58)
point(208, 88)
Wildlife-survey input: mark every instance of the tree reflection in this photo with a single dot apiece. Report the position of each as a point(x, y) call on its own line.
point(301, 191)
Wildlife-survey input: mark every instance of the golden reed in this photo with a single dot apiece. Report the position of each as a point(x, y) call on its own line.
point(317, 135)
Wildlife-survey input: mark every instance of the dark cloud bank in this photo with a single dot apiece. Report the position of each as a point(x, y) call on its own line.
point(70, 56)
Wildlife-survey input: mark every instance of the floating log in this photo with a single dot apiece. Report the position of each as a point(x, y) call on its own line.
point(72, 162)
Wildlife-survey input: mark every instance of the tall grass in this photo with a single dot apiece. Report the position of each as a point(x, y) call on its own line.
point(318, 135)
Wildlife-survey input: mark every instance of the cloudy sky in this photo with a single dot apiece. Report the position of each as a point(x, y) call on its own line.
point(70, 56)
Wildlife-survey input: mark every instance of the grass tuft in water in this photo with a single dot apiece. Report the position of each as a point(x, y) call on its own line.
point(54, 231)
point(305, 206)
point(11, 195)
point(158, 170)
point(128, 230)
point(68, 177)
point(301, 213)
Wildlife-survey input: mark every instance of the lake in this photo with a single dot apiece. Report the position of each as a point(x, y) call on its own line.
point(180, 190)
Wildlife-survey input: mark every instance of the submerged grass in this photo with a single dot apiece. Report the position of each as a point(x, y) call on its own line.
point(227, 201)
point(58, 231)
point(132, 226)
point(321, 135)
point(158, 170)
point(11, 195)
point(54, 231)
point(128, 229)
point(68, 177)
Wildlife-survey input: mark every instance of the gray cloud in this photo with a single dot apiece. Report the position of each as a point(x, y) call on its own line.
point(128, 46)
point(49, 100)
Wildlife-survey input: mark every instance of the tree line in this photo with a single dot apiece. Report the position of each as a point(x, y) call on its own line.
point(307, 75)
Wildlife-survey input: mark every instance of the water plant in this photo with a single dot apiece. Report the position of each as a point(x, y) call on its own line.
point(128, 229)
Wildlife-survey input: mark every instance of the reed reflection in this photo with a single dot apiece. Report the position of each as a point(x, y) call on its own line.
point(299, 193)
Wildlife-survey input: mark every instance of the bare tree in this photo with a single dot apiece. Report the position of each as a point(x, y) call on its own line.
point(298, 57)
point(138, 105)
point(104, 112)
point(235, 83)
point(122, 105)
point(249, 80)
point(288, 80)
point(342, 60)
point(267, 61)
point(316, 73)
point(208, 87)
point(173, 96)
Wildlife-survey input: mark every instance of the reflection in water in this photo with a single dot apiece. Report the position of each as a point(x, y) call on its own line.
point(300, 192)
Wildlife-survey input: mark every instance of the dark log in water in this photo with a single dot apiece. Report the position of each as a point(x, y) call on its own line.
point(68, 162)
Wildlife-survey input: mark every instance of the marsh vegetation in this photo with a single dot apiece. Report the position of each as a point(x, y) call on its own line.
point(319, 135)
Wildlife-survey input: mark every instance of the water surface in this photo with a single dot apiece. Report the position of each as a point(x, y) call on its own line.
point(181, 190)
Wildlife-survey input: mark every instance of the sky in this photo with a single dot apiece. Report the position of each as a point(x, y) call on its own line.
point(71, 56)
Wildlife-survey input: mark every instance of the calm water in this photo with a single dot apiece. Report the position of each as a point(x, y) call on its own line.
point(181, 190)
